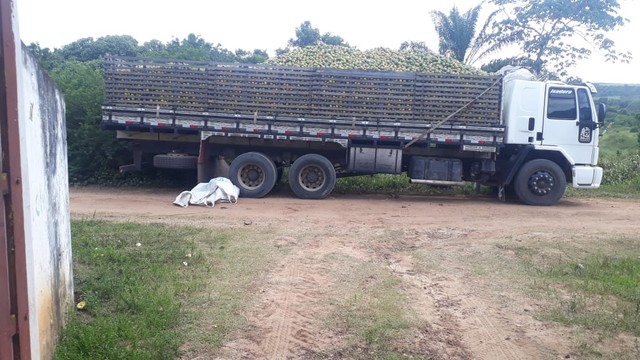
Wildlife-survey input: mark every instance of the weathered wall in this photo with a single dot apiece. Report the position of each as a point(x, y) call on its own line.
point(43, 151)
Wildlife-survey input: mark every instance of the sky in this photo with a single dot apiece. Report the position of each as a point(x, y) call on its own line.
point(269, 24)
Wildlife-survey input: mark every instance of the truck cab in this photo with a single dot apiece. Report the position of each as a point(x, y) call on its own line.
point(557, 122)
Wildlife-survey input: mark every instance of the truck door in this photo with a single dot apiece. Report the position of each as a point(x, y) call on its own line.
point(570, 122)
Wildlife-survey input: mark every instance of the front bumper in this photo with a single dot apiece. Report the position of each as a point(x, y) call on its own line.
point(587, 177)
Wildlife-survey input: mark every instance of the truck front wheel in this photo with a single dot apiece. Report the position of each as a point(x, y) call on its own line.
point(540, 182)
point(312, 176)
point(253, 173)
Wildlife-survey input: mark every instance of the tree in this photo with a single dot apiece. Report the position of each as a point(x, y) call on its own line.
point(414, 45)
point(331, 39)
point(152, 47)
point(554, 34)
point(88, 49)
point(308, 35)
point(46, 58)
point(255, 57)
point(305, 35)
point(90, 150)
point(457, 33)
point(193, 47)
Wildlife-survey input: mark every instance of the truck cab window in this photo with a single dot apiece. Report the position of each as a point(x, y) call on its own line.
point(562, 104)
point(584, 105)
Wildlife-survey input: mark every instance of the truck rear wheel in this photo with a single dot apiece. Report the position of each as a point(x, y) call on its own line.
point(540, 182)
point(312, 176)
point(253, 173)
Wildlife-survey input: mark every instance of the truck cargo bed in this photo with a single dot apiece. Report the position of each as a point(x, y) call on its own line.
point(265, 91)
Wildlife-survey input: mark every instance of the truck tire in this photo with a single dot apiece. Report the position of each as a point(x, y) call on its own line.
point(312, 176)
point(175, 161)
point(540, 182)
point(253, 173)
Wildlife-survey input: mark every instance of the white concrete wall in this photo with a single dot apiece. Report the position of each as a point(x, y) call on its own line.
point(43, 148)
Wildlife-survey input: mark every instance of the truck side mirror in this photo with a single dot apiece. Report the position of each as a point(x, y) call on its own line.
point(602, 111)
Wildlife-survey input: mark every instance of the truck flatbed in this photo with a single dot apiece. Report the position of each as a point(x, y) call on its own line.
point(288, 103)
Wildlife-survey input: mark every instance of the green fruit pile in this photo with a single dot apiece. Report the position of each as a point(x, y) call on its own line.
point(382, 59)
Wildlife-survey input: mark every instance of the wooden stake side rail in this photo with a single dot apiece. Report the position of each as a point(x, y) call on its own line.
point(278, 91)
point(467, 137)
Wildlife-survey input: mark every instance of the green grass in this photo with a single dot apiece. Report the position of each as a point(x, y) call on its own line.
point(604, 293)
point(131, 291)
point(391, 185)
point(144, 301)
point(371, 310)
point(591, 284)
point(375, 313)
point(619, 140)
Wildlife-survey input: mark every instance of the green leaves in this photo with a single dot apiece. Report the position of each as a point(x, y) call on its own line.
point(307, 35)
point(88, 49)
point(93, 154)
point(555, 34)
point(456, 32)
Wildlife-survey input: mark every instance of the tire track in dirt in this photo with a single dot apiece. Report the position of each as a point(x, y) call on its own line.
point(474, 314)
point(447, 302)
point(436, 307)
point(277, 342)
point(285, 324)
point(489, 339)
point(290, 329)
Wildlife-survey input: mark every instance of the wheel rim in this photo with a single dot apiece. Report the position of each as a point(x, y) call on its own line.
point(541, 183)
point(311, 177)
point(251, 176)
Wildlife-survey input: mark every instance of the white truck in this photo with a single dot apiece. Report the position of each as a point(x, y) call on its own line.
point(529, 138)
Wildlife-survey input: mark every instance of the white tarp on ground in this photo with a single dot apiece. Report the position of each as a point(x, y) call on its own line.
point(219, 189)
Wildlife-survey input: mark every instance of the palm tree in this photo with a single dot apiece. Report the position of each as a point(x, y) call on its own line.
point(457, 34)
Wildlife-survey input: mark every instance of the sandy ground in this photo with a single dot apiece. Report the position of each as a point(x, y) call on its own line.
point(469, 316)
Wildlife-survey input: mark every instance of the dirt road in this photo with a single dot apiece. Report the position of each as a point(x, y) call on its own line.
point(441, 248)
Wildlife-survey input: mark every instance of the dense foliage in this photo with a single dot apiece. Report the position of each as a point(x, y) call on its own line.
point(620, 141)
point(93, 154)
point(307, 35)
point(546, 32)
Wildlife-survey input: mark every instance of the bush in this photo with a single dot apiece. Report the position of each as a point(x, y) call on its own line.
point(621, 170)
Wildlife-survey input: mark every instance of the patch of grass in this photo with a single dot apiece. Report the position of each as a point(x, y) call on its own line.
point(236, 259)
point(373, 314)
point(619, 140)
point(604, 292)
point(590, 282)
point(131, 290)
point(391, 184)
point(157, 291)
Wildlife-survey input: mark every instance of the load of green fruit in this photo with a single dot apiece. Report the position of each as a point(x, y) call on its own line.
point(382, 59)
